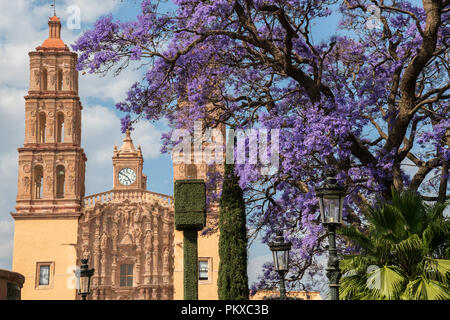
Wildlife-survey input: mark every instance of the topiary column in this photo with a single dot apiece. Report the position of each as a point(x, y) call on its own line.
point(190, 217)
point(233, 280)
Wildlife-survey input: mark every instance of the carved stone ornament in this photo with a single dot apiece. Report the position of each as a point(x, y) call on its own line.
point(50, 128)
point(26, 184)
point(48, 167)
point(67, 77)
point(71, 184)
point(52, 78)
point(71, 167)
point(124, 222)
point(37, 76)
point(48, 183)
point(27, 168)
point(104, 240)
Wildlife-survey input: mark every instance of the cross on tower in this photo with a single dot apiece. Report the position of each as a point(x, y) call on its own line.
point(54, 7)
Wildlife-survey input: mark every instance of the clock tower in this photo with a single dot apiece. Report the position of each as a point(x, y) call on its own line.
point(51, 173)
point(127, 166)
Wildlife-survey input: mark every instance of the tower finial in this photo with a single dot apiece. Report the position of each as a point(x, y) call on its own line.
point(54, 7)
point(128, 143)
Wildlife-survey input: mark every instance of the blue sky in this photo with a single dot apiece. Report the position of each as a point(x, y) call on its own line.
point(23, 26)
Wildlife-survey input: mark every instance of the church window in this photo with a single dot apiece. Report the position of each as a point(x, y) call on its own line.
point(126, 275)
point(60, 181)
point(203, 270)
point(60, 128)
point(44, 79)
point(44, 275)
point(37, 185)
point(41, 127)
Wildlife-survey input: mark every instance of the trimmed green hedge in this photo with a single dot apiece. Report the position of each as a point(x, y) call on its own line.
point(190, 274)
point(190, 204)
point(190, 216)
point(232, 278)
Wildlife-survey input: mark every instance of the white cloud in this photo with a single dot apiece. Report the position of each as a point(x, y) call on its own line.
point(89, 10)
point(108, 87)
point(101, 131)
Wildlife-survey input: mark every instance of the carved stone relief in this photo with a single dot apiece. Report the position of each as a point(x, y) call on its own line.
point(52, 75)
point(50, 128)
point(26, 185)
point(27, 168)
point(71, 184)
point(49, 183)
point(67, 78)
point(36, 76)
point(127, 233)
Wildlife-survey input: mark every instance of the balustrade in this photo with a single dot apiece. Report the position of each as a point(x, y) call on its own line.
point(120, 195)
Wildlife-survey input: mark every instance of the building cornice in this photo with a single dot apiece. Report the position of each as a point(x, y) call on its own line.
point(45, 216)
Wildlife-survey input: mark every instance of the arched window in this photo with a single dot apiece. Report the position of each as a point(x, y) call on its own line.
point(60, 128)
point(191, 171)
point(60, 79)
point(60, 181)
point(41, 127)
point(38, 175)
point(44, 79)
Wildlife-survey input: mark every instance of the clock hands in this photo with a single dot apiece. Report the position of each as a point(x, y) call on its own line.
point(123, 175)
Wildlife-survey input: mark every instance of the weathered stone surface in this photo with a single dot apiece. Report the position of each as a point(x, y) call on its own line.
point(138, 233)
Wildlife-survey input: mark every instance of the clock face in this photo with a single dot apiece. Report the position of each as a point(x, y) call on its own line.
point(127, 176)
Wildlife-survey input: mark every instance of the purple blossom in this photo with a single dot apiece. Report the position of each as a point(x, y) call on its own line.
point(197, 65)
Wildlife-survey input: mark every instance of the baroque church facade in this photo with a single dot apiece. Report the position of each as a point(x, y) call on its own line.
point(127, 234)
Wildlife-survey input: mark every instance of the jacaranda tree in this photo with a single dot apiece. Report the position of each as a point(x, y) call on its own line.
point(370, 102)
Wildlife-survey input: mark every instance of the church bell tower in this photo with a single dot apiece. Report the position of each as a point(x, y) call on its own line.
point(51, 173)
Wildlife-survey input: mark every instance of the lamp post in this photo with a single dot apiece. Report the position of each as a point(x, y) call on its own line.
point(83, 277)
point(331, 198)
point(280, 251)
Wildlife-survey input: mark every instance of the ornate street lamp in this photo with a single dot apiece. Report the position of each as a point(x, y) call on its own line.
point(83, 277)
point(280, 251)
point(331, 198)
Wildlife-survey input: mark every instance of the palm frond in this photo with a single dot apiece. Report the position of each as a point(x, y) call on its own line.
point(411, 206)
point(437, 269)
point(385, 282)
point(352, 233)
point(426, 289)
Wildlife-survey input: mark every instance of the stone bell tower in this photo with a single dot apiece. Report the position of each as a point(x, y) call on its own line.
point(51, 172)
